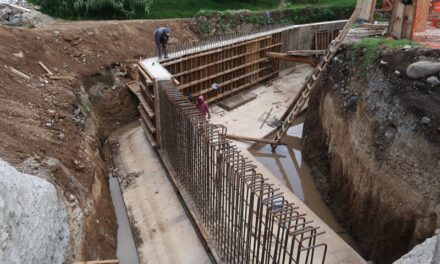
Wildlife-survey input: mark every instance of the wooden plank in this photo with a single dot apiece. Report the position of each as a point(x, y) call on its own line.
point(145, 106)
point(291, 58)
point(147, 133)
point(237, 101)
point(112, 261)
point(306, 53)
point(133, 87)
point(45, 68)
point(242, 138)
point(147, 120)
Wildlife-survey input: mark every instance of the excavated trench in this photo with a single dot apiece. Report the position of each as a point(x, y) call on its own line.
point(374, 160)
point(114, 107)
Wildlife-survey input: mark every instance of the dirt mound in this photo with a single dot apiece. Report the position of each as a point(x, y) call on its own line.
point(68, 120)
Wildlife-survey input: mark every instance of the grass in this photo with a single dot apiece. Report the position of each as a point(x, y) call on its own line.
point(370, 47)
point(161, 9)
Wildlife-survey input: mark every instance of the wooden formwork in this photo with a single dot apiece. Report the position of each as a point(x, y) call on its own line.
point(233, 67)
point(324, 37)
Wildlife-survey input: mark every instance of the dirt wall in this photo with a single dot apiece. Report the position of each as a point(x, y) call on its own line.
point(59, 126)
point(373, 160)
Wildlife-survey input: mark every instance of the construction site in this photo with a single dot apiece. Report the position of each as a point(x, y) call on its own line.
point(272, 143)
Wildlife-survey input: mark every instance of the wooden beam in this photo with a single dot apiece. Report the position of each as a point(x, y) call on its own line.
point(306, 53)
point(241, 138)
point(62, 77)
point(291, 58)
point(112, 261)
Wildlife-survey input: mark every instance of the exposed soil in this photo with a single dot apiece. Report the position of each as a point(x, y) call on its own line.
point(371, 156)
point(69, 120)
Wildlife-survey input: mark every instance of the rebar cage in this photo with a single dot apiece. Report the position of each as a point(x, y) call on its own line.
point(248, 219)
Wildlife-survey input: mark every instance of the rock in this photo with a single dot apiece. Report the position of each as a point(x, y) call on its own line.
point(397, 72)
point(425, 120)
point(19, 54)
point(422, 253)
point(423, 69)
point(61, 136)
point(382, 62)
point(433, 80)
point(33, 220)
point(15, 20)
point(56, 33)
point(351, 103)
point(67, 36)
point(406, 47)
point(77, 111)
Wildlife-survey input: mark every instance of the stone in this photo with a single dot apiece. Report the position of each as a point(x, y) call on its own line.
point(422, 253)
point(433, 80)
point(406, 47)
point(397, 72)
point(33, 219)
point(56, 33)
point(425, 120)
point(382, 62)
point(423, 69)
point(19, 54)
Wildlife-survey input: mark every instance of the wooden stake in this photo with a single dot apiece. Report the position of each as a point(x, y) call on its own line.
point(45, 68)
point(19, 73)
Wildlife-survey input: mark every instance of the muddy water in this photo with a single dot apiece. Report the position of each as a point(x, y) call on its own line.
point(287, 164)
point(126, 248)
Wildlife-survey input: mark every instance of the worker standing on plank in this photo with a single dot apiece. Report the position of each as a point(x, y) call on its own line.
point(161, 37)
point(202, 105)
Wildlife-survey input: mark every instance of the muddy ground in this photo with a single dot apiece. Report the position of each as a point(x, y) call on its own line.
point(373, 158)
point(70, 119)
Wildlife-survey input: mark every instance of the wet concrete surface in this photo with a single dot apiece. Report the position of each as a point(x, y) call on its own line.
point(287, 164)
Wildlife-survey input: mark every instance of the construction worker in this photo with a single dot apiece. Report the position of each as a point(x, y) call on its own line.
point(161, 37)
point(202, 105)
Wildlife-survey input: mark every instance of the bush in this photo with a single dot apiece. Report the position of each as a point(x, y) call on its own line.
point(78, 9)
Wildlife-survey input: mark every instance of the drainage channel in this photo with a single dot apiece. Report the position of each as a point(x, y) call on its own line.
point(288, 165)
point(126, 247)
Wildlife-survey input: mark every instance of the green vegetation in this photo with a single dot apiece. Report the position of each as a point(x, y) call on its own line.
point(370, 47)
point(159, 9)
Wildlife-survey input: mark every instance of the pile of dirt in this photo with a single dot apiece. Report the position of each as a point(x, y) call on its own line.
point(372, 138)
point(59, 126)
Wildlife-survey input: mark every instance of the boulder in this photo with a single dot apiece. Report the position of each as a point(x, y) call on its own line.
point(433, 80)
point(422, 69)
point(33, 220)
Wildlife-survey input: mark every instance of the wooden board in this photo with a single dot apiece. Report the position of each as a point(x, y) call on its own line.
point(236, 101)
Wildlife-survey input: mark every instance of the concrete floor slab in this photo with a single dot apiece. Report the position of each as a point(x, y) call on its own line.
point(153, 207)
point(246, 121)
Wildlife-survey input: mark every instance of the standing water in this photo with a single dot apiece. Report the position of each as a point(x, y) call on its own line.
point(126, 248)
point(287, 164)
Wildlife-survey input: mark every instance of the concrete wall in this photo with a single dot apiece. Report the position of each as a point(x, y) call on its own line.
point(302, 37)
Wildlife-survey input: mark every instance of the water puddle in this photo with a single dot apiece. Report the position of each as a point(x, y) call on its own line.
point(287, 164)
